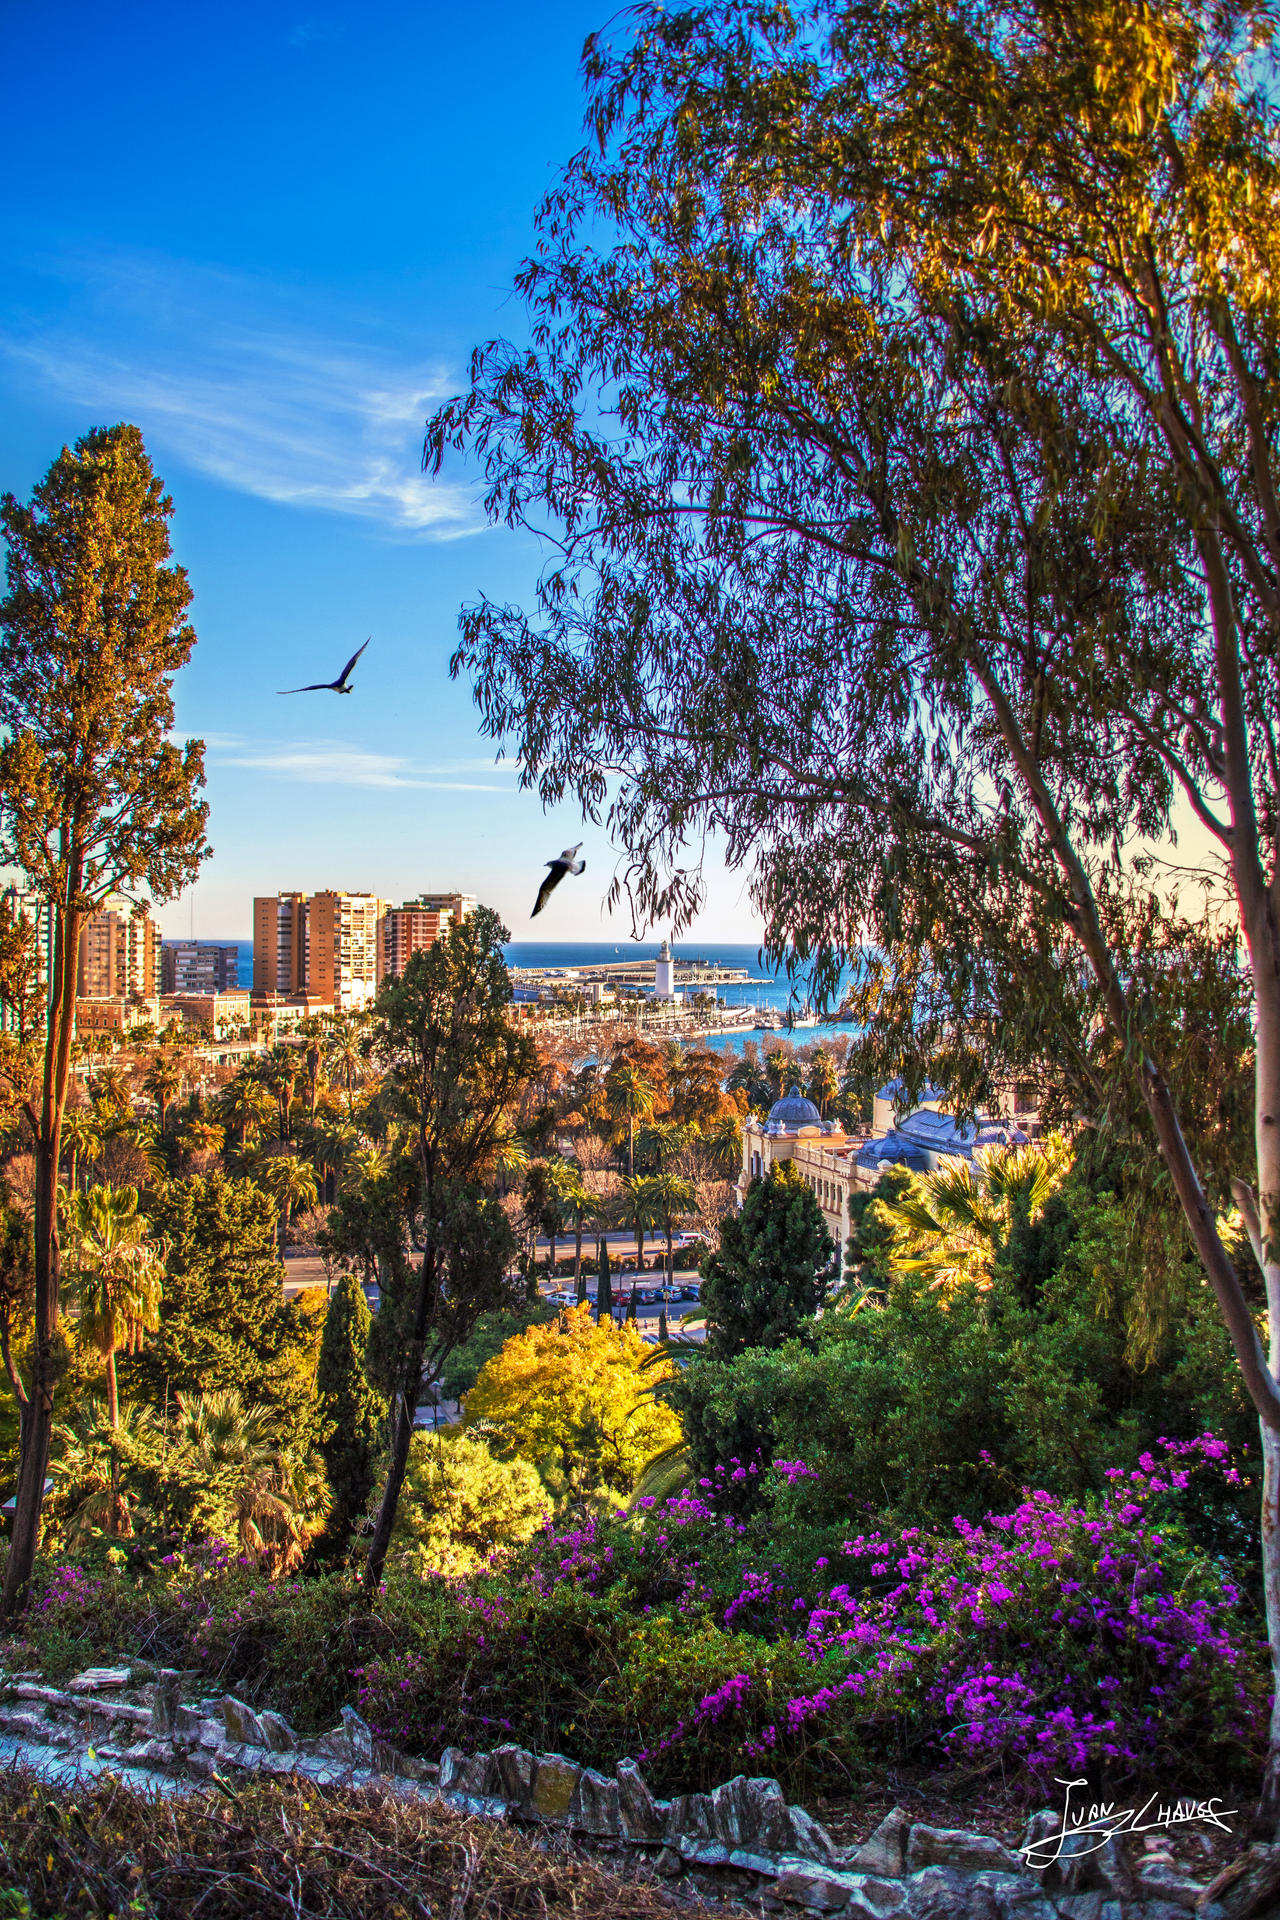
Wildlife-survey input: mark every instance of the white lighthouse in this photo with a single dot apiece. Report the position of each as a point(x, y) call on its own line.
point(664, 974)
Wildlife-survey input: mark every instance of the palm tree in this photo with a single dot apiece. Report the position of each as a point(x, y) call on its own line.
point(81, 1140)
point(631, 1097)
point(246, 1104)
point(824, 1081)
point(510, 1156)
point(162, 1081)
point(954, 1224)
point(280, 1076)
point(673, 1199)
point(86, 1466)
point(345, 1053)
point(577, 1202)
point(291, 1182)
point(722, 1143)
point(639, 1206)
point(111, 1100)
point(233, 1448)
point(662, 1141)
point(201, 1138)
point(118, 1275)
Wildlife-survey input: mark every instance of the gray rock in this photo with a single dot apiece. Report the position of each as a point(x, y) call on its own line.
point(554, 1783)
point(165, 1705)
point(703, 1853)
point(812, 1890)
point(638, 1811)
point(885, 1851)
point(751, 1813)
point(277, 1734)
point(1070, 1864)
point(1250, 1886)
point(771, 1866)
point(690, 1818)
point(877, 1899)
point(452, 1761)
point(99, 1680)
point(241, 1723)
point(940, 1893)
point(810, 1838)
point(668, 1863)
point(359, 1737)
point(514, 1767)
point(1161, 1880)
point(954, 1847)
point(595, 1804)
point(1012, 1896)
point(1080, 1906)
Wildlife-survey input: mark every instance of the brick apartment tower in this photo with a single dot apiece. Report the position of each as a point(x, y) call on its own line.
point(418, 924)
point(280, 943)
point(119, 954)
point(342, 948)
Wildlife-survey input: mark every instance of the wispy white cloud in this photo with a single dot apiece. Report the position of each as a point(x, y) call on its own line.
point(239, 380)
point(333, 763)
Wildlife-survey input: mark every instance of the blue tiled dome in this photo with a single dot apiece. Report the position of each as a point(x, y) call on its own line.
point(794, 1111)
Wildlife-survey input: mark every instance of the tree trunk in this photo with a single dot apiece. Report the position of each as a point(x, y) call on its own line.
point(113, 1399)
point(1267, 1819)
point(406, 1406)
point(36, 1426)
point(580, 1292)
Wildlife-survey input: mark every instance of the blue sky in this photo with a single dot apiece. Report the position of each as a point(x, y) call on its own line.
point(270, 236)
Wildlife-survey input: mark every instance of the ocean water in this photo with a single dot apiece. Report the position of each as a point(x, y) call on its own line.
point(765, 988)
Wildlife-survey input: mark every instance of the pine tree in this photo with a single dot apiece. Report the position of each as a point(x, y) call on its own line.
point(352, 1415)
point(775, 1265)
point(224, 1324)
point(95, 797)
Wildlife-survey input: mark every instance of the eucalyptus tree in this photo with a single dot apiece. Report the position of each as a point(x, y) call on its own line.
point(95, 796)
point(903, 402)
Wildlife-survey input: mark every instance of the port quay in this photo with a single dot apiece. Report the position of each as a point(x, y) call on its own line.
point(662, 994)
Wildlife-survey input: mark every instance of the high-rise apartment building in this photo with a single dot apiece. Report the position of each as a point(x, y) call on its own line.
point(21, 905)
point(342, 948)
point(199, 966)
point(416, 925)
point(280, 943)
point(119, 953)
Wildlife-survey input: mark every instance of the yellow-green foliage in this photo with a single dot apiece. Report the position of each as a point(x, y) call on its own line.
point(460, 1503)
point(573, 1400)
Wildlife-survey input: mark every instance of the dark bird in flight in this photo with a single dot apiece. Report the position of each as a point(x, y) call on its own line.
point(567, 863)
point(331, 686)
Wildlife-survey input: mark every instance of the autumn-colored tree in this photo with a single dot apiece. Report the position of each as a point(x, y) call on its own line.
point(574, 1398)
point(461, 1504)
point(95, 797)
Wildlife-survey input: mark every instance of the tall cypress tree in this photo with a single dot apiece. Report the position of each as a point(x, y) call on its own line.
point(352, 1415)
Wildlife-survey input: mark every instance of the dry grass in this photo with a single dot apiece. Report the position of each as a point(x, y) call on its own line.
point(283, 1848)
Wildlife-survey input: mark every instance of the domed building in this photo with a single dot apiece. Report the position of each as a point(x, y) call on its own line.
point(821, 1150)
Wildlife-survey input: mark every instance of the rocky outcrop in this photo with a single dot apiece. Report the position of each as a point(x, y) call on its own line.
point(906, 1870)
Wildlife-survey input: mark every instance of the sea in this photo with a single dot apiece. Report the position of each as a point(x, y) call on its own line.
point(764, 988)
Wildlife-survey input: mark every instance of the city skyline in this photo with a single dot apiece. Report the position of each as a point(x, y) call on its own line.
point(279, 323)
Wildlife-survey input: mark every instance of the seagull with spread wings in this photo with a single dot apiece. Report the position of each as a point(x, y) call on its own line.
point(330, 686)
point(567, 863)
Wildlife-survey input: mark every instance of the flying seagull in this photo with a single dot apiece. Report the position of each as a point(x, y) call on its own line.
point(331, 686)
point(567, 863)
